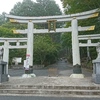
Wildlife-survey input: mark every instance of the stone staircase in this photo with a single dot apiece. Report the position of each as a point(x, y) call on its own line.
point(40, 90)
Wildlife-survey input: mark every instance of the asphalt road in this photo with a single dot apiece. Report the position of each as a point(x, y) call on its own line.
point(43, 98)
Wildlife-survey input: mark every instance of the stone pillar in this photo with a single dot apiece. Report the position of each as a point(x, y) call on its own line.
point(6, 54)
point(75, 42)
point(77, 73)
point(28, 63)
point(30, 42)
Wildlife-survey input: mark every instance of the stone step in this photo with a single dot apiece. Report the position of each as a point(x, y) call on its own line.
point(49, 87)
point(50, 92)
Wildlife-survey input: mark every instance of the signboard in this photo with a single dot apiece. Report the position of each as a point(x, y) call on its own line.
point(51, 25)
point(26, 62)
point(17, 60)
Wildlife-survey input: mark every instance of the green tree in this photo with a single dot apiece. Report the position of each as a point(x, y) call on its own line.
point(44, 50)
point(77, 6)
point(26, 8)
point(5, 32)
point(2, 18)
point(48, 7)
point(39, 8)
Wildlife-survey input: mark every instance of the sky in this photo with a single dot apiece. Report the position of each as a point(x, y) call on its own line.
point(7, 5)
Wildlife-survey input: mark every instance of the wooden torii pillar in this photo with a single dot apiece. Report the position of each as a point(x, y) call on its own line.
point(62, 18)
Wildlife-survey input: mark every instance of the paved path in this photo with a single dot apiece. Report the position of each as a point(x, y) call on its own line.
point(64, 69)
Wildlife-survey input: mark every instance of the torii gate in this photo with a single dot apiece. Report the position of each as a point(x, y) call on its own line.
point(96, 62)
point(62, 18)
point(7, 46)
point(89, 38)
point(89, 43)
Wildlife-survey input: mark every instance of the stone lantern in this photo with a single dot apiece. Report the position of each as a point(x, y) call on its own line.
point(96, 67)
point(3, 74)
